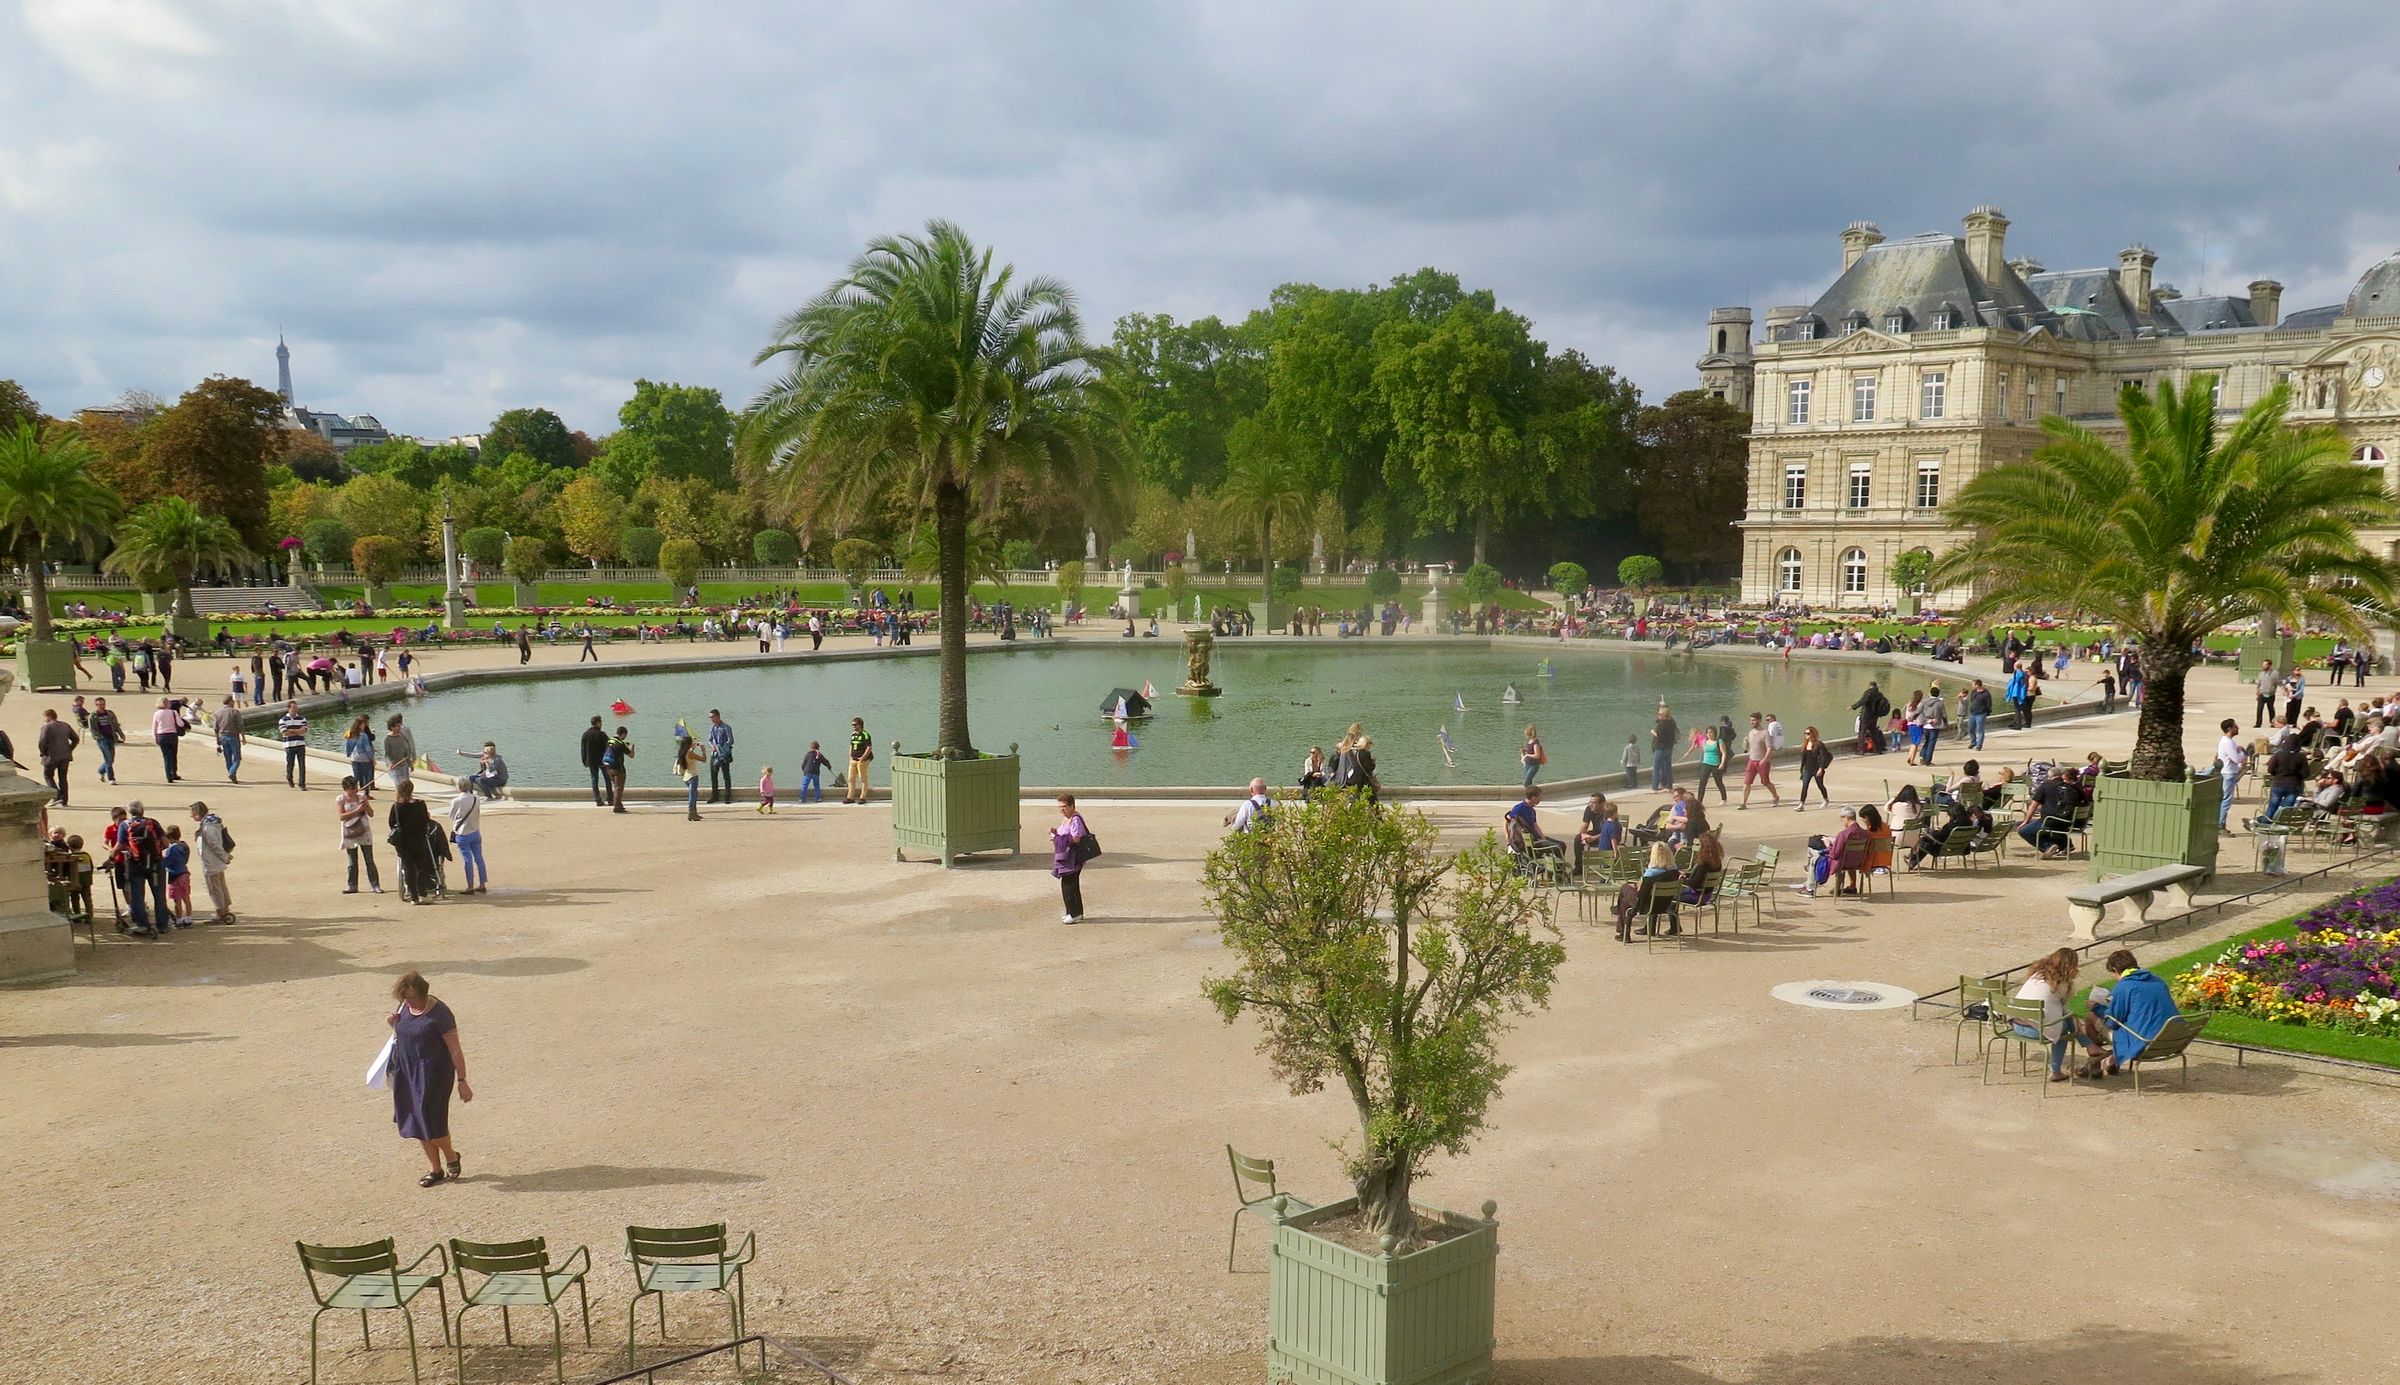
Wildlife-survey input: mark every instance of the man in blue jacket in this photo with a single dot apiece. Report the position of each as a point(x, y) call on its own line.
point(2138, 1006)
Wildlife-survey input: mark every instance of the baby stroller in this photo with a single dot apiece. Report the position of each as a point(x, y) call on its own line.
point(437, 850)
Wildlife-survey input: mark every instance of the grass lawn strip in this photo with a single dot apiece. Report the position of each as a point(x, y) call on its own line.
point(2231, 1028)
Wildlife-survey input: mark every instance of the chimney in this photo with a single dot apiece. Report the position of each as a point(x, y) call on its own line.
point(1857, 239)
point(2026, 266)
point(2134, 264)
point(1987, 234)
point(2266, 302)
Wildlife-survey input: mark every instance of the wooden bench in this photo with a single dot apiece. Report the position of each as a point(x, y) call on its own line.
point(2087, 904)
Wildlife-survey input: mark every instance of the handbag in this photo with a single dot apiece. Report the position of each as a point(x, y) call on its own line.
point(379, 1072)
point(1086, 847)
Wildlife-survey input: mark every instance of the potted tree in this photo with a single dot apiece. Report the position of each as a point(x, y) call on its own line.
point(378, 558)
point(930, 378)
point(1374, 964)
point(2182, 529)
point(1070, 584)
point(526, 558)
point(774, 548)
point(679, 562)
point(48, 496)
point(855, 560)
point(484, 546)
point(1909, 572)
point(1568, 580)
point(168, 541)
point(1639, 573)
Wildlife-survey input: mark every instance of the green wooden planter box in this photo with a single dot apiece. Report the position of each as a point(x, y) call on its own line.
point(44, 663)
point(2138, 824)
point(1336, 1316)
point(947, 808)
point(2281, 649)
point(378, 596)
point(1912, 605)
point(527, 595)
point(192, 630)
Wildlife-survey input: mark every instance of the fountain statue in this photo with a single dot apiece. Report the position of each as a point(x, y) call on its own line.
point(1198, 644)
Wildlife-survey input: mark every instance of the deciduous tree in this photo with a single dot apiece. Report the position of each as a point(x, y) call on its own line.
point(687, 426)
point(591, 517)
point(213, 449)
point(384, 506)
point(1693, 479)
point(538, 433)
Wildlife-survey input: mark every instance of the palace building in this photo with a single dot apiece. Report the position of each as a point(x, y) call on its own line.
point(1933, 358)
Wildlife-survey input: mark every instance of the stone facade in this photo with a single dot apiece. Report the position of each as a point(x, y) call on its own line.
point(1933, 358)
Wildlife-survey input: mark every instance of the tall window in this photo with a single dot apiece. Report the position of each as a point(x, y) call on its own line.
point(2059, 394)
point(1795, 485)
point(1787, 570)
point(2003, 393)
point(1862, 399)
point(1929, 483)
point(2368, 454)
point(1936, 387)
point(1862, 483)
point(1854, 572)
point(1798, 410)
point(2216, 393)
point(2033, 395)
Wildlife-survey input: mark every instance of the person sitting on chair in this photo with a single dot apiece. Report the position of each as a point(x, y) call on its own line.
point(2131, 1010)
point(1658, 874)
point(1708, 865)
point(1525, 836)
point(1587, 837)
point(1969, 818)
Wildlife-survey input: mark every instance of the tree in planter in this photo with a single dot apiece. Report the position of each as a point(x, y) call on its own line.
point(1382, 584)
point(1284, 584)
point(679, 561)
point(1640, 572)
point(929, 373)
point(527, 558)
point(2180, 530)
point(1910, 571)
point(1568, 579)
point(774, 548)
point(485, 546)
point(1179, 586)
point(1070, 579)
point(48, 496)
point(855, 560)
point(169, 540)
point(1374, 963)
point(379, 559)
point(640, 545)
point(1480, 584)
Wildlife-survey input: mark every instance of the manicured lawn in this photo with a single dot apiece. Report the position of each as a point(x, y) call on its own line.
point(2242, 1029)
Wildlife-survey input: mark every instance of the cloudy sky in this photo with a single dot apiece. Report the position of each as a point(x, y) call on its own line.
point(452, 207)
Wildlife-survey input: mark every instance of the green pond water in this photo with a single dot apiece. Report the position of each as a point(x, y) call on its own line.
point(1280, 698)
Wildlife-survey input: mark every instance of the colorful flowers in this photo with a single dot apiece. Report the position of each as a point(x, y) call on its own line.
point(2339, 970)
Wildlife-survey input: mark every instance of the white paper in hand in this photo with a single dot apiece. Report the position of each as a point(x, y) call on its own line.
point(379, 1072)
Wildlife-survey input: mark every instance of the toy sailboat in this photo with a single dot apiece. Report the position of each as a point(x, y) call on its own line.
point(1449, 751)
point(1509, 696)
point(1458, 702)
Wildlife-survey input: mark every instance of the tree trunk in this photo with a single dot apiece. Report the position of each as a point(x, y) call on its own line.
point(1383, 1201)
point(1483, 531)
point(183, 598)
point(950, 536)
point(2158, 735)
point(37, 592)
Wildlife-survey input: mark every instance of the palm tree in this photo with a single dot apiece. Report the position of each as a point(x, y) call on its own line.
point(927, 376)
point(48, 495)
point(1265, 486)
point(2179, 531)
point(168, 540)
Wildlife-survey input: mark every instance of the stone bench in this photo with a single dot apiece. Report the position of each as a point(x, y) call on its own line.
point(2087, 904)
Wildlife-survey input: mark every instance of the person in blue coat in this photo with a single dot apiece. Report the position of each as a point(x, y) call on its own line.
point(2138, 1004)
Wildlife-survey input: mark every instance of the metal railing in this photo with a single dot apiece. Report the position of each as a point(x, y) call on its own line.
point(648, 1375)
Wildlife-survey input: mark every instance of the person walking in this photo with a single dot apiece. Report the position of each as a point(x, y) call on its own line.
point(427, 1062)
point(227, 724)
point(55, 743)
point(2269, 686)
point(411, 831)
point(1663, 733)
point(862, 755)
point(1758, 765)
point(359, 744)
point(293, 728)
point(1712, 763)
point(466, 834)
point(216, 857)
point(1533, 756)
point(595, 758)
point(1068, 852)
point(1979, 711)
point(588, 651)
point(618, 759)
point(812, 774)
point(399, 750)
point(524, 646)
point(357, 814)
point(766, 790)
point(720, 758)
point(687, 768)
point(1933, 718)
point(258, 678)
point(107, 734)
point(1816, 757)
point(166, 731)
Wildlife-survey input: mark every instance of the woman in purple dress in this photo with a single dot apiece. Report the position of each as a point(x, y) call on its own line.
point(426, 1062)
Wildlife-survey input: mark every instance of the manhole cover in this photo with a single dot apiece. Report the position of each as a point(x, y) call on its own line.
point(1843, 995)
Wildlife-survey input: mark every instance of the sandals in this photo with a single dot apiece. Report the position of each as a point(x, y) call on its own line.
point(431, 1178)
point(455, 1164)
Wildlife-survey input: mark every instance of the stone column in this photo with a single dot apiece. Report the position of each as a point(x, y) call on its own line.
point(454, 602)
point(1435, 616)
point(35, 944)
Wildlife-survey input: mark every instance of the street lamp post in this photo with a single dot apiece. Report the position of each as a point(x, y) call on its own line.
point(454, 602)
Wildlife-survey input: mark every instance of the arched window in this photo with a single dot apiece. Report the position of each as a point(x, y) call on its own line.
point(1720, 341)
point(2368, 454)
point(1854, 572)
point(1787, 570)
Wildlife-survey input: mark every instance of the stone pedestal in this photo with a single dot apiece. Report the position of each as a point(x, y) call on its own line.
point(454, 612)
point(1435, 615)
point(35, 944)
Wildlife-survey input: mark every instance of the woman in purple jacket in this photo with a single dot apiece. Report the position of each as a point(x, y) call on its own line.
point(1064, 863)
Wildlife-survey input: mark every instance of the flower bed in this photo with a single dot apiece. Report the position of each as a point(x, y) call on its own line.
point(2340, 970)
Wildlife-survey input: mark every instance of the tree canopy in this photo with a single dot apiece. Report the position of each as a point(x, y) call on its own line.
point(538, 433)
point(687, 430)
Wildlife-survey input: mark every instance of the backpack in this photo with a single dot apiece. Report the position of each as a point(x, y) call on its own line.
point(225, 835)
point(141, 839)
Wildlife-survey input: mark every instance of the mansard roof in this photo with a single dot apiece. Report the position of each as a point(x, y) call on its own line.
point(1924, 276)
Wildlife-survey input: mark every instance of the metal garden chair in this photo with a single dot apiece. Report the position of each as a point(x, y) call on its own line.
point(1249, 1173)
point(517, 1274)
point(370, 1278)
point(686, 1260)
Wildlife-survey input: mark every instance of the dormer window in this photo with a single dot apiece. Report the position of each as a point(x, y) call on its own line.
point(1946, 320)
point(1805, 329)
point(1895, 322)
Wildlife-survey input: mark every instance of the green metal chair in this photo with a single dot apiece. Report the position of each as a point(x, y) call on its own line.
point(370, 1278)
point(2172, 1039)
point(1737, 886)
point(1770, 862)
point(1250, 1173)
point(686, 1260)
point(1972, 989)
point(517, 1274)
